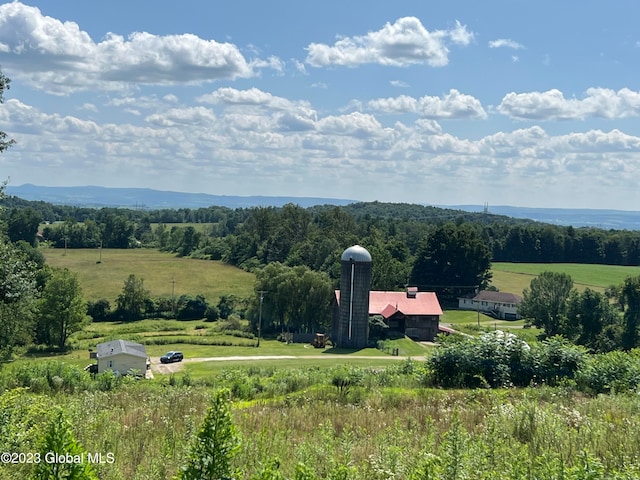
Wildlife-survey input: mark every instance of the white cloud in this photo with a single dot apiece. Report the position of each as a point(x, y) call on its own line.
point(261, 136)
point(505, 43)
point(89, 107)
point(453, 105)
point(254, 97)
point(552, 105)
point(400, 104)
point(183, 116)
point(402, 43)
point(399, 84)
point(60, 58)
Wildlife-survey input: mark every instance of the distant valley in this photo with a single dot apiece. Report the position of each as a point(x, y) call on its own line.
point(149, 199)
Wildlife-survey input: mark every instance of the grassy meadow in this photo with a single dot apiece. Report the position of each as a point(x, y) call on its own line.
point(294, 419)
point(163, 273)
point(515, 277)
point(297, 425)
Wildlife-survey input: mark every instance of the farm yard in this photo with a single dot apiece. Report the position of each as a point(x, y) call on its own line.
point(297, 412)
point(264, 323)
point(303, 413)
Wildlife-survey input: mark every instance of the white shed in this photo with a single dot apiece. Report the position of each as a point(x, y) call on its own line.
point(121, 356)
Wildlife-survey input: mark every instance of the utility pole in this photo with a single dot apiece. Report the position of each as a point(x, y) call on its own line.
point(262, 293)
point(173, 299)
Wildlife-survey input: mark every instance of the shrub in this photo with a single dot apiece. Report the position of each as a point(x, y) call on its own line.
point(558, 359)
point(495, 359)
point(610, 372)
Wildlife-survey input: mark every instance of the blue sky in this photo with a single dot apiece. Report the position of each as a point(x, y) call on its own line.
point(443, 103)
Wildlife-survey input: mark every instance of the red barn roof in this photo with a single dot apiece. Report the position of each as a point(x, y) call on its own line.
point(387, 303)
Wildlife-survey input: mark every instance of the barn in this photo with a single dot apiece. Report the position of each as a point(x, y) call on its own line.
point(122, 357)
point(411, 313)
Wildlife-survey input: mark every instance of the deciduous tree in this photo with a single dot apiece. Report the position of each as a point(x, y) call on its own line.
point(132, 301)
point(588, 314)
point(452, 258)
point(4, 85)
point(544, 302)
point(18, 298)
point(630, 297)
point(62, 307)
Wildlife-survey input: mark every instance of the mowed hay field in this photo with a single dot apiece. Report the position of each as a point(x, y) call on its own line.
point(515, 277)
point(103, 275)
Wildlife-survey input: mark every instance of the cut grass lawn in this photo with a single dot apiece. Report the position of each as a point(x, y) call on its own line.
point(163, 273)
point(515, 277)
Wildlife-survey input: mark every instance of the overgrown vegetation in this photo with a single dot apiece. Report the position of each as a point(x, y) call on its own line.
point(343, 423)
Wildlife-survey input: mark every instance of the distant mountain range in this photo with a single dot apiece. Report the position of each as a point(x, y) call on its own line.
point(145, 198)
point(577, 217)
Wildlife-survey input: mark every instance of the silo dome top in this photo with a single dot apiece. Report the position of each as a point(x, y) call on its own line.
point(356, 254)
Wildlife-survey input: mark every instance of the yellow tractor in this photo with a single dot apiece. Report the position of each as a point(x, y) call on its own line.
point(321, 340)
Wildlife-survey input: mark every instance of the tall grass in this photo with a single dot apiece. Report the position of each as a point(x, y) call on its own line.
point(387, 425)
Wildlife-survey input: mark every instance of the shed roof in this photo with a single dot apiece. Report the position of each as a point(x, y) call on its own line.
point(116, 347)
point(501, 297)
point(387, 303)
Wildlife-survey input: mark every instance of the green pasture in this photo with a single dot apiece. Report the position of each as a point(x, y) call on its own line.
point(102, 274)
point(515, 277)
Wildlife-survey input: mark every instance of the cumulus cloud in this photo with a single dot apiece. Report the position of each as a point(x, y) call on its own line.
point(453, 105)
point(59, 57)
point(404, 42)
point(505, 43)
point(552, 105)
point(262, 136)
point(256, 98)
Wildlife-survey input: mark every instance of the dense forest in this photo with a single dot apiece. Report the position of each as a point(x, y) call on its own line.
point(249, 238)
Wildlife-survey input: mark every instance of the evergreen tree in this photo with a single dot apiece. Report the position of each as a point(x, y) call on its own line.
point(59, 440)
point(215, 445)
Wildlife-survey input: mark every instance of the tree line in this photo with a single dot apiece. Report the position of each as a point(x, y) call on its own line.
point(249, 237)
point(601, 322)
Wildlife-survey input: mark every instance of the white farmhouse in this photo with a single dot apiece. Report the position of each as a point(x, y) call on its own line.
point(121, 356)
point(500, 305)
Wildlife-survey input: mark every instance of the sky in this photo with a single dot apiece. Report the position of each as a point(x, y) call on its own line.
point(505, 102)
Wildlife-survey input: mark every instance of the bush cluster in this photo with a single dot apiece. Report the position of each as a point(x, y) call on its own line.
point(499, 359)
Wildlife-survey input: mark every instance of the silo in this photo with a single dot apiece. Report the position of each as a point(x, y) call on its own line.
point(355, 283)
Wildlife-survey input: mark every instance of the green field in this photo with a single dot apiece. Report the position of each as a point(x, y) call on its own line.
point(164, 274)
point(515, 277)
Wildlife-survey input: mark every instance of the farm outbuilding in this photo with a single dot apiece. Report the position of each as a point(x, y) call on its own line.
point(351, 324)
point(122, 357)
point(500, 305)
point(411, 313)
